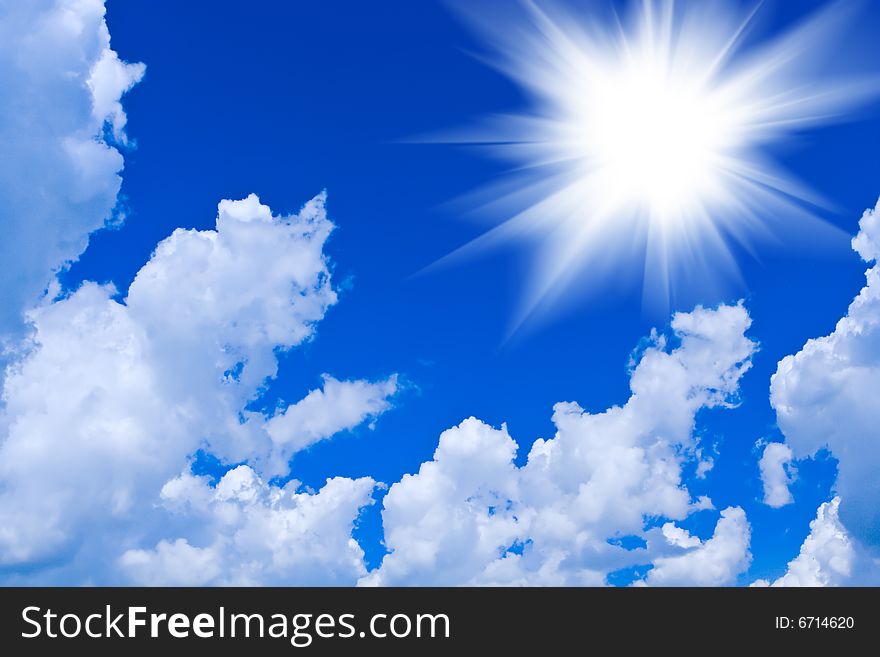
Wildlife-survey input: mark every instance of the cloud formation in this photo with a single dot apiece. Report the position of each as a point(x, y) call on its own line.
point(256, 534)
point(776, 474)
point(471, 516)
point(59, 174)
point(114, 397)
point(825, 396)
point(827, 556)
point(714, 562)
point(338, 406)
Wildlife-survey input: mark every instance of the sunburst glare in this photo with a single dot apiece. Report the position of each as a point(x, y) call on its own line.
point(642, 156)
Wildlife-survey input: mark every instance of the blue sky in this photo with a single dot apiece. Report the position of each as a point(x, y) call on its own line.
point(287, 99)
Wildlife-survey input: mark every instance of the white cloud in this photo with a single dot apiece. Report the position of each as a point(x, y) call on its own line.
point(113, 398)
point(776, 474)
point(679, 537)
point(109, 78)
point(825, 396)
point(257, 534)
point(827, 556)
point(704, 464)
point(58, 176)
point(172, 564)
point(339, 406)
point(715, 562)
point(471, 516)
point(449, 521)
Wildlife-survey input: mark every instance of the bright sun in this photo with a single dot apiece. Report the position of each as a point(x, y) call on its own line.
point(654, 140)
point(642, 151)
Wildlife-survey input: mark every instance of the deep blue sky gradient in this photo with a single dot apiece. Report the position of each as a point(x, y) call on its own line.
point(285, 99)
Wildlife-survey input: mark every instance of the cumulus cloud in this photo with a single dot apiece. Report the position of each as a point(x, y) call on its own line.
point(776, 474)
point(679, 537)
point(471, 516)
point(59, 175)
point(453, 518)
point(825, 397)
point(114, 397)
point(827, 556)
point(257, 534)
point(715, 562)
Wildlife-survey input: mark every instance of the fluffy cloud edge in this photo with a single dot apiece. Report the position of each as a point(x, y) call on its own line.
point(471, 516)
point(62, 125)
point(823, 397)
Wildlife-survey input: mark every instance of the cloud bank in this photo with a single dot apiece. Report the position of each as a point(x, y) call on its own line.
point(114, 398)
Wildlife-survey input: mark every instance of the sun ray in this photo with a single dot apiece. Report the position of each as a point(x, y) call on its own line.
point(643, 151)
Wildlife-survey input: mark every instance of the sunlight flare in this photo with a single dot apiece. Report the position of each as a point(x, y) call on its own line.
point(643, 156)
